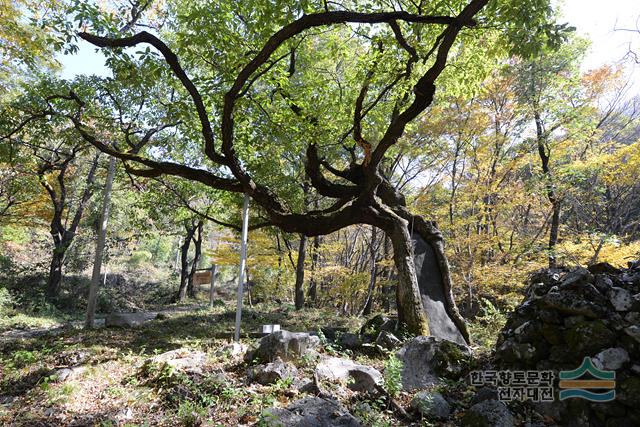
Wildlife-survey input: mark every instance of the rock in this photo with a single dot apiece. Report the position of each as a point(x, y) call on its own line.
point(182, 359)
point(372, 327)
point(633, 318)
point(272, 372)
point(634, 332)
point(588, 337)
point(611, 359)
point(349, 341)
point(431, 405)
point(484, 393)
point(234, 349)
point(490, 413)
point(603, 268)
point(357, 377)
point(129, 320)
point(65, 374)
point(285, 345)
point(516, 353)
point(576, 277)
point(595, 315)
point(569, 302)
point(621, 299)
point(426, 359)
point(309, 412)
point(388, 340)
point(603, 283)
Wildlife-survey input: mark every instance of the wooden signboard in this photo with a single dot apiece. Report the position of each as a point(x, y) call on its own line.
point(202, 277)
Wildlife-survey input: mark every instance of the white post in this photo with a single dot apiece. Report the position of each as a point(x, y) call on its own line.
point(243, 262)
point(102, 235)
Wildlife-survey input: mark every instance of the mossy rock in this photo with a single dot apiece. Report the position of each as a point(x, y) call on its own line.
point(588, 337)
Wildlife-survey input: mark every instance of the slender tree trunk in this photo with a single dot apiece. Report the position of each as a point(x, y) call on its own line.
point(197, 243)
point(544, 153)
point(299, 289)
point(102, 235)
point(313, 281)
point(184, 263)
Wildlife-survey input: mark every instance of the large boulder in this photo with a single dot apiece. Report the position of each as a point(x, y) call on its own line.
point(427, 359)
point(129, 320)
point(309, 412)
point(284, 345)
point(357, 377)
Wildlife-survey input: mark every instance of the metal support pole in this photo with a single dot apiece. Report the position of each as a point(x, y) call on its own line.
point(213, 281)
point(243, 262)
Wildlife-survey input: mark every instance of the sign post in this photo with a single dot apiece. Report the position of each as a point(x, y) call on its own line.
point(243, 263)
point(213, 281)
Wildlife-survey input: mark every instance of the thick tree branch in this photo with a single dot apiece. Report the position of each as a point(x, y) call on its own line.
point(174, 64)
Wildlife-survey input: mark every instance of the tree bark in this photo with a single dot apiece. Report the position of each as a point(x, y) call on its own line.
point(102, 235)
point(54, 281)
point(313, 280)
point(410, 310)
point(299, 286)
point(197, 244)
point(184, 262)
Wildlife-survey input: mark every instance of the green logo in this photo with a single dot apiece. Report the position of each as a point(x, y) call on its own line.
point(572, 386)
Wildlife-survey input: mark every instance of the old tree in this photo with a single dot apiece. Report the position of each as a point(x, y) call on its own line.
point(302, 106)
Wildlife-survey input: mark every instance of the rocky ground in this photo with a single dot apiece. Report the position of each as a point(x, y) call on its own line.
point(180, 367)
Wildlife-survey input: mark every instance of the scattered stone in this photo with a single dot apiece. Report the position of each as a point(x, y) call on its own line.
point(570, 303)
point(611, 359)
point(349, 341)
point(576, 277)
point(387, 340)
point(489, 413)
point(272, 372)
point(426, 359)
point(372, 327)
point(71, 373)
point(234, 349)
point(634, 332)
point(431, 405)
point(357, 377)
point(603, 268)
point(309, 412)
point(484, 393)
point(129, 320)
point(181, 359)
point(285, 345)
point(621, 299)
point(603, 283)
